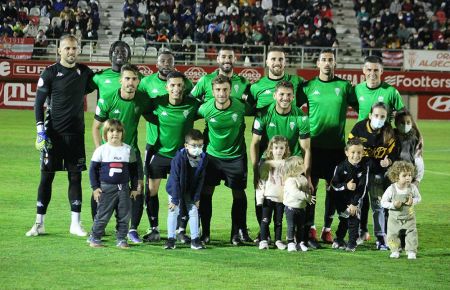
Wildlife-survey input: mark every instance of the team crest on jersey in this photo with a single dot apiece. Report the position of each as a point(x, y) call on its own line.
point(236, 88)
point(337, 91)
point(97, 110)
point(155, 91)
point(304, 118)
point(361, 98)
point(186, 113)
point(234, 117)
point(164, 113)
point(380, 98)
point(271, 124)
point(78, 71)
point(212, 120)
point(292, 125)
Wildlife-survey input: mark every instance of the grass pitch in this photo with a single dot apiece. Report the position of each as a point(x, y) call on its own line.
point(58, 260)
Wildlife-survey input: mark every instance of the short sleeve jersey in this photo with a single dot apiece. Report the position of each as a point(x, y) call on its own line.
point(226, 128)
point(293, 126)
point(107, 82)
point(65, 89)
point(127, 111)
point(327, 106)
point(156, 87)
point(203, 89)
point(174, 122)
point(384, 93)
point(262, 91)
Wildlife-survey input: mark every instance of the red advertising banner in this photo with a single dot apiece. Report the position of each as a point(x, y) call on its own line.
point(405, 82)
point(17, 94)
point(16, 47)
point(434, 107)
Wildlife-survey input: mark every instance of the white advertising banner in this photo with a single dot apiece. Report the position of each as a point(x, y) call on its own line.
point(431, 60)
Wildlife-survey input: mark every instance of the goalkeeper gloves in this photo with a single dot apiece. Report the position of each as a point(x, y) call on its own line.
point(42, 142)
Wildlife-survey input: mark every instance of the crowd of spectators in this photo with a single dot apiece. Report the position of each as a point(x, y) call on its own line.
point(243, 23)
point(404, 24)
point(49, 20)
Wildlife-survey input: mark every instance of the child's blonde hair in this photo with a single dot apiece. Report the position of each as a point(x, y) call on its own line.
point(111, 125)
point(399, 167)
point(293, 167)
point(276, 140)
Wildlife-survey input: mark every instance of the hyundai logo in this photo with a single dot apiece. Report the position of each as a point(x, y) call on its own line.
point(439, 103)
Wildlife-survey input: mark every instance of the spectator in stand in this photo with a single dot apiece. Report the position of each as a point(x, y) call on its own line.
point(67, 11)
point(221, 8)
point(67, 25)
point(326, 12)
point(11, 13)
point(257, 12)
point(91, 33)
point(403, 33)
point(150, 36)
point(140, 27)
point(425, 35)
point(58, 6)
point(6, 29)
point(47, 10)
point(40, 43)
point(395, 7)
point(267, 4)
point(81, 24)
point(130, 8)
point(53, 32)
point(441, 43)
point(164, 18)
point(362, 17)
point(127, 27)
point(31, 30)
point(18, 29)
point(200, 35)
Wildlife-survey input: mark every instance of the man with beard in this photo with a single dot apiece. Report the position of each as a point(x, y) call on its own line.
point(240, 89)
point(127, 105)
point(281, 118)
point(263, 90)
point(156, 86)
point(203, 90)
point(60, 137)
point(328, 98)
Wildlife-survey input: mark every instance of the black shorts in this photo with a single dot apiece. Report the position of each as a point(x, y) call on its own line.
point(67, 154)
point(158, 167)
point(324, 161)
point(233, 171)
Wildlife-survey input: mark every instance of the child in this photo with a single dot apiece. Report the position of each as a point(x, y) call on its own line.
point(408, 142)
point(349, 184)
point(378, 140)
point(400, 199)
point(113, 166)
point(269, 193)
point(187, 173)
point(295, 198)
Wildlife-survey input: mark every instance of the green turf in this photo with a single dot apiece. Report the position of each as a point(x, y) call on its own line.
point(58, 260)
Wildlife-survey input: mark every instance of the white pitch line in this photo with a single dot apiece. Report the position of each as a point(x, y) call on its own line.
point(437, 173)
point(437, 150)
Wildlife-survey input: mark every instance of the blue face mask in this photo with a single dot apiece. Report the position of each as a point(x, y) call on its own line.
point(376, 123)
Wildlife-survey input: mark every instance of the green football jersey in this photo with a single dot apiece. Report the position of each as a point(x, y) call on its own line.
point(203, 89)
point(174, 122)
point(156, 87)
point(327, 106)
point(293, 125)
point(225, 128)
point(127, 111)
point(107, 82)
point(262, 91)
point(384, 93)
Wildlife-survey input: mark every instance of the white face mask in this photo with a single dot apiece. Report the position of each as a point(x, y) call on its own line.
point(376, 123)
point(404, 128)
point(195, 152)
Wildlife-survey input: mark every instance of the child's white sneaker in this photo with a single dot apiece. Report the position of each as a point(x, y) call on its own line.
point(77, 229)
point(291, 247)
point(411, 255)
point(395, 255)
point(263, 245)
point(302, 247)
point(37, 229)
point(280, 245)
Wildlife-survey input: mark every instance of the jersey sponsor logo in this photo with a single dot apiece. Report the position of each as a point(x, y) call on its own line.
point(194, 73)
point(59, 74)
point(251, 74)
point(213, 120)
point(256, 125)
point(5, 69)
point(291, 125)
point(267, 92)
point(316, 92)
point(271, 124)
point(337, 91)
point(234, 117)
point(439, 103)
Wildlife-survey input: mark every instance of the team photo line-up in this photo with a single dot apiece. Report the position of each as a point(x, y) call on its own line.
point(379, 166)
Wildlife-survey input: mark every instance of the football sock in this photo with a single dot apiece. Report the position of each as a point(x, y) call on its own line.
point(44, 192)
point(75, 195)
point(40, 218)
point(153, 210)
point(137, 208)
point(75, 217)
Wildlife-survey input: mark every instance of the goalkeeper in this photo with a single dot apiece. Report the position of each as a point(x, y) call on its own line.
point(60, 138)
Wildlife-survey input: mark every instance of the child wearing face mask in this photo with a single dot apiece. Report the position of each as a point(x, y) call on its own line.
point(378, 140)
point(187, 173)
point(409, 147)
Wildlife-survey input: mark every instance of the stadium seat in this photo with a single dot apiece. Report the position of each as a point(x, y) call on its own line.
point(129, 40)
point(142, 8)
point(35, 11)
point(56, 21)
point(152, 51)
point(139, 41)
point(139, 51)
point(51, 48)
point(86, 50)
point(43, 27)
point(201, 53)
point(83, 4)
point(44, 21)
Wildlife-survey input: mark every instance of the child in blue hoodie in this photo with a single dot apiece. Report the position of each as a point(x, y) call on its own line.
point(187, 173)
